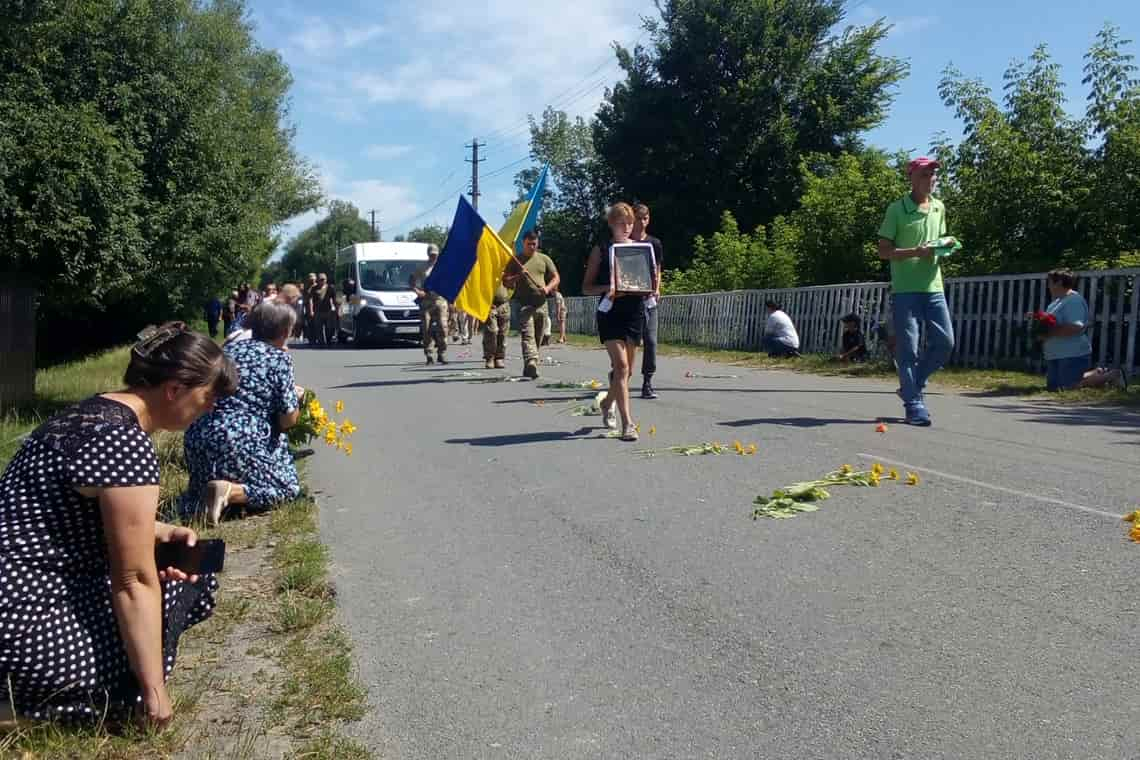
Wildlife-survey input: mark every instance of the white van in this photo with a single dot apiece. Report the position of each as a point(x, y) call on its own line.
point(379, 305)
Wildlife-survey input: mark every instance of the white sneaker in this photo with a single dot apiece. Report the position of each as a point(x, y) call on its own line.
point(216, 499)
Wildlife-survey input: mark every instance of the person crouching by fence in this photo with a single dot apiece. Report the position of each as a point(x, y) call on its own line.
point(853, 346)
point(780, 336)
point(89, 626)
point(238, 454)
point(1066, 345)
point(621, 320)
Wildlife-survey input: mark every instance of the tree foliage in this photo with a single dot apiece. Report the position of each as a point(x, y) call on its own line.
point(430, 233)
point(718, 113)
point(838, 219)
point(314, 249)
point(578, 192)
point(735, 260)
point(1029, 186)
point(145, 158)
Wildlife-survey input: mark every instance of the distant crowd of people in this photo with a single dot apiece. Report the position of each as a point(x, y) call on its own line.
point(314, 300)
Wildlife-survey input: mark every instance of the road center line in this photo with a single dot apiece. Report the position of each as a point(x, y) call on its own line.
point(992, 487)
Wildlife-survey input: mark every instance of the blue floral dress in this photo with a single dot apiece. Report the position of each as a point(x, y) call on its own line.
point(239, 441)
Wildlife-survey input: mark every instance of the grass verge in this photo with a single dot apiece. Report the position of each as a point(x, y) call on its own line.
point(989, 382)
point(288, 694)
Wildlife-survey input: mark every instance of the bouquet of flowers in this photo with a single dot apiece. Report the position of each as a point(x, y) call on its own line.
point(1036, 330)
point(315, 422)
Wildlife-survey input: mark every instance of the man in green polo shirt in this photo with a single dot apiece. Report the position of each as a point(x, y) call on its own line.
point(911, 226)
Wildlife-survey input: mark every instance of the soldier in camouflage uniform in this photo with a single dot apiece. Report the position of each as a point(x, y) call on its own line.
point(534, 279)
point(495, 330)
point(433, 311)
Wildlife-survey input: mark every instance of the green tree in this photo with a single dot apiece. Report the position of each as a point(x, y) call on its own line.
point(1030, 187)
point(431, 233)
point(1113, 209)
point(578, 191)
point(145, 155)
point(314, 249)
point(735, 260)
point(837, 222)
point(719, 111)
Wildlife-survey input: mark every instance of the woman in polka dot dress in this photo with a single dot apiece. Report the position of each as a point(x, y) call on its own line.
point(88, 625)
point(238, 454)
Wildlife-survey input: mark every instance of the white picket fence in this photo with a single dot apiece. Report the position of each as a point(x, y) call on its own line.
point(988, 314)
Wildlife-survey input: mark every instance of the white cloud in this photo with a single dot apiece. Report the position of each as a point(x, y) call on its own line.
point(323, 38)
point(386, 152)
point(476, 61)
point(392, 202)
point(900, 25)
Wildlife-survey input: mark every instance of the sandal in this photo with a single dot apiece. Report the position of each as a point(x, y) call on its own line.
point(609, 418)
point(630, 433)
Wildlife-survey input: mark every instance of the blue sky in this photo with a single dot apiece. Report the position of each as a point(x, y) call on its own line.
point(387, 94)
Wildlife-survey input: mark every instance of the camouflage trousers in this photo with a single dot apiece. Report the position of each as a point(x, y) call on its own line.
point(495, 331)
point(433, 323)
point(532, 325)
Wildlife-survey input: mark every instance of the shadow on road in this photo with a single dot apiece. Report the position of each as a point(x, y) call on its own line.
point(544, 399)
point(393, 383)
point(803, 422)
point(1116, 419)
point(518, 439)
point(715, 389)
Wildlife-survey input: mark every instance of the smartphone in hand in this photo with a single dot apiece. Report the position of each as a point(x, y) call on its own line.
point(206, 556)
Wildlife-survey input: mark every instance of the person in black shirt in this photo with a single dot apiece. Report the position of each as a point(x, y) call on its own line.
point(649, 338)
point(854, 345)
point(621, 320)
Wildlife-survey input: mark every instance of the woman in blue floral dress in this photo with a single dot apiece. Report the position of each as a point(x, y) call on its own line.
point(238, 454)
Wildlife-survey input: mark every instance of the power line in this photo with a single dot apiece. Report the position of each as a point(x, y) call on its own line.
point(608, 60)
point(409, 220)
point(503, 168)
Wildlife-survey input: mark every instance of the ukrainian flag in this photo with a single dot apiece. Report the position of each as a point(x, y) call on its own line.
point(471, 264)
point(524, 216)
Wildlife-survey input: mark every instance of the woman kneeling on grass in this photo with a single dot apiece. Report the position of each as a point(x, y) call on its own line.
point(1067, 348)
point(238, 454)
point(621, 320)
point(89, 625)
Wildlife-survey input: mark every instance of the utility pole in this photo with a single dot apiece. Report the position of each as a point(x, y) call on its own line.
point(375, 229)
point(475, 161)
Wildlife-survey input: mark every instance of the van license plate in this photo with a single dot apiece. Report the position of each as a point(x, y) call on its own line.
point(408, 330)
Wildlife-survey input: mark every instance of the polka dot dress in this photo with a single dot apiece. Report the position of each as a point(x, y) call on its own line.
point(60, 652)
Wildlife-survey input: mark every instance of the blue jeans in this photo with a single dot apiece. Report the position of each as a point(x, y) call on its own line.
point(914, 371)
point(777, 348)
point(1062, 374)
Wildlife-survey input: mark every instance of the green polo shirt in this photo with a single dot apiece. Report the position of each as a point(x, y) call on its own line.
point(908, 226)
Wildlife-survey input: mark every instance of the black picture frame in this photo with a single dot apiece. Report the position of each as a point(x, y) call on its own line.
point(634, 267)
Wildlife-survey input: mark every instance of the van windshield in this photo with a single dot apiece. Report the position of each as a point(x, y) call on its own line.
point(388, 275)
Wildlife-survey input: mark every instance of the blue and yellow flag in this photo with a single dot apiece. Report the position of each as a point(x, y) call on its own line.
point(471, 264)
point(524, 216)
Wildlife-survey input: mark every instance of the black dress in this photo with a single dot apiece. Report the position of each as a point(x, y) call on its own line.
point(626, 318)
point(60, 650)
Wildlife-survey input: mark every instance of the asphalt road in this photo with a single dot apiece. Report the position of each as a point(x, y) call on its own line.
point(518, 586)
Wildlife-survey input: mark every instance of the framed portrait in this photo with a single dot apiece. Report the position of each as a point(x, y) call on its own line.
point(634, 267)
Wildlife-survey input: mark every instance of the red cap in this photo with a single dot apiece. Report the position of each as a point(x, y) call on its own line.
point(921, 163)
